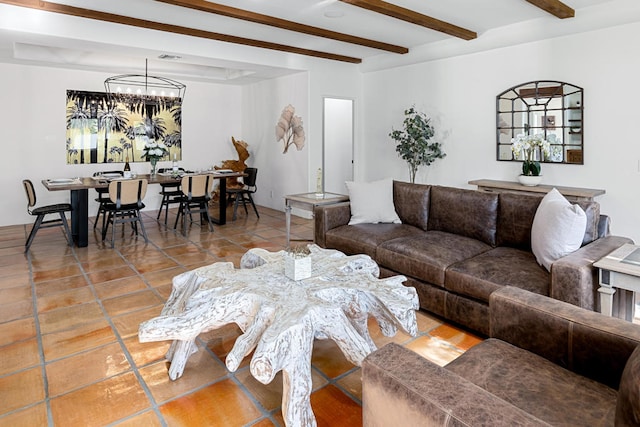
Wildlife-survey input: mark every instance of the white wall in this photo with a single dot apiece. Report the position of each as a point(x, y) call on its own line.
point(278, 174)
point(459, 94)
point(33, 136)
point(295, 171)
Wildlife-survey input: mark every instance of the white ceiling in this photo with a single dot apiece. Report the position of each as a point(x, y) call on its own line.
point(35, 37)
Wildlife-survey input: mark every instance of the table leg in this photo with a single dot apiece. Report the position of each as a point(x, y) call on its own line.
point(606, 299)
point(80, 217)
point(222, 203)
point(287, 210)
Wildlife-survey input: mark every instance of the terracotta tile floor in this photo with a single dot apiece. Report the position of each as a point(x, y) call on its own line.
point(69, 353)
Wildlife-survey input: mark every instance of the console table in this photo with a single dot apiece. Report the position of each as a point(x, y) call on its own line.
point(308, 201)
point(571, 193)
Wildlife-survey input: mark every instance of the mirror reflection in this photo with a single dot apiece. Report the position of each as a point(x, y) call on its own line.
point(550, 108)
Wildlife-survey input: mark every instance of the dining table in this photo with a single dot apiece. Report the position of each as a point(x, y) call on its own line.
point(79, 189)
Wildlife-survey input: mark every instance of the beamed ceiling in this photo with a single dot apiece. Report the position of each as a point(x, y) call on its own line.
point(350, 31)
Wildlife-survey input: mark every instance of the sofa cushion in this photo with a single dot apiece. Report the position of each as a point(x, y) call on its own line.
point(365, 238)
point(412, 203)
point(372, 202)
point(536, 385)
point(628, 406)
point(592, 210)
point(479, 276)
point(466, 213)
point(515, 217)
point(427, 255)
point(558, 228)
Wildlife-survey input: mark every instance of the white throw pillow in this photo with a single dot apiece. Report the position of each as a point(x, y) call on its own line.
point(372, 202)
point(558, 228)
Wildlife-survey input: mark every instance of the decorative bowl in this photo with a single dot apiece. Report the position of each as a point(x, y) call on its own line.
point(529, 180)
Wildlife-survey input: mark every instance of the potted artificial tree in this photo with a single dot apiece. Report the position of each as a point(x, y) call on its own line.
point(413, 143)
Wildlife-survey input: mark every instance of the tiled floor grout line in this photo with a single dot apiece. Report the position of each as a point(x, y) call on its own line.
point(36, 321)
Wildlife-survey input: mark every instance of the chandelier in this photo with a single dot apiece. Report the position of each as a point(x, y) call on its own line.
point(146, 89)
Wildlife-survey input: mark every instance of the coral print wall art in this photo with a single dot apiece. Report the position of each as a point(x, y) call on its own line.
point(103, 128)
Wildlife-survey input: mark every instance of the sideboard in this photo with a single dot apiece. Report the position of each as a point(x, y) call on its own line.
point(571, 193)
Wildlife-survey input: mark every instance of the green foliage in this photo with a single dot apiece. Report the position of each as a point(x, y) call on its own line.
point(531, 167)
point(413, 143)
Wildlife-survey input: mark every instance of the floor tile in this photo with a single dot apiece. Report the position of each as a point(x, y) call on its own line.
point(111, 274)
point(438, 351)
point(146, 419)
point(59, 285)
point(201, 369)
point(65, 299)
point(19, 355)
point(17, 330)
point(82, 337)
point(329, 359)
point(333, 408)
point(32, 416)
point(69, 317)
point(202, 408)
point(85, 368)
point(131, 302)
point(27, 388)
point(15, 294)
point(117, 287)
point(100, 403)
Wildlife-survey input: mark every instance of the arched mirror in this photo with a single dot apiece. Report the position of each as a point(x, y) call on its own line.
point(550, 108)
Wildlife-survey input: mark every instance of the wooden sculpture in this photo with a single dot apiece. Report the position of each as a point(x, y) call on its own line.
point(236, 165)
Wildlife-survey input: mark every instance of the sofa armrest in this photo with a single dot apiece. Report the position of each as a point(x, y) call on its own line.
point(573, 277)
point(328, 217)
point(401, 388)
point(585, 342)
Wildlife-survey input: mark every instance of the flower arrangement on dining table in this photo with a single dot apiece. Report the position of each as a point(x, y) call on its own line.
point(154, 151)
point(527, 145)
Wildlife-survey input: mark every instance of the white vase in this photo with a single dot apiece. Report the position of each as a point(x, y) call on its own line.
point(530, 180)
point(297, 268)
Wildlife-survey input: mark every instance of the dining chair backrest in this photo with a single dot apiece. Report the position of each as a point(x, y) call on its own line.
point(31, 194)
point(250, 179)
point(127, 191)
point(197, 185)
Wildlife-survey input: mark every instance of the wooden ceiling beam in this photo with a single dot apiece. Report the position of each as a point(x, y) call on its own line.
point(408, 15)
point(159, 26)
point(554, 7)
point(258, 18)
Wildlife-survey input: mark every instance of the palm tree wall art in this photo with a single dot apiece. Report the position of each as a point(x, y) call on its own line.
point(104, 129)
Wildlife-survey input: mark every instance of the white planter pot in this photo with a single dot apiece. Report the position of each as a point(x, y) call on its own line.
point(530, 181)
point(297, 268)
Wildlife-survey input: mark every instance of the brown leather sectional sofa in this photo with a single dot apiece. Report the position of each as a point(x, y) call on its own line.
point(546, 363)
point(457, 246)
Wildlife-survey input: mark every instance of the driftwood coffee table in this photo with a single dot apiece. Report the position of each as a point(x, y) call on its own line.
point(280, 317)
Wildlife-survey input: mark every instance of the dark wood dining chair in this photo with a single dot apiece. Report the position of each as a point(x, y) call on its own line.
point(103, 195)
point(243, 194)
point(196, 194)
point(41, 212)
point(170, 192)
point(124, 206)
